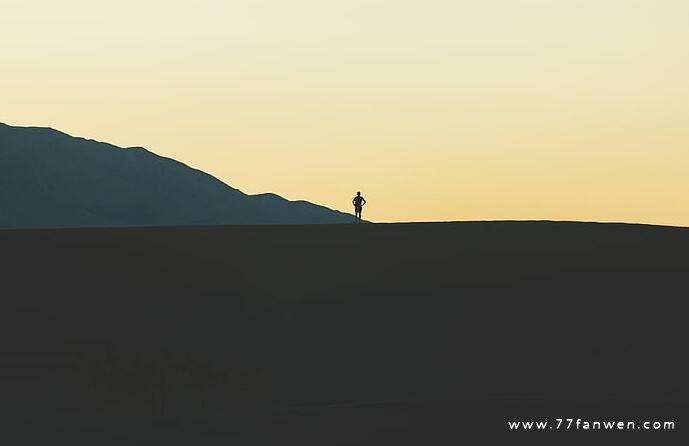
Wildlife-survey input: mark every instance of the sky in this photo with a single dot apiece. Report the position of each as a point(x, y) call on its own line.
point(433, 109)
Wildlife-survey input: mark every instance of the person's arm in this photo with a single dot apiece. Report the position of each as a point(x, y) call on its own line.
point(363, 201)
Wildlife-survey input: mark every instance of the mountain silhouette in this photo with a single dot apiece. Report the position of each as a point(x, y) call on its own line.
point(49, 179)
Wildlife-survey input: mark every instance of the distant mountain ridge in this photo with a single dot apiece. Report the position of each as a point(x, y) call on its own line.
point(49, 179)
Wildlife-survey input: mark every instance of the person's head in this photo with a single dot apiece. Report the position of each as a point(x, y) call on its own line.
point(358, 193)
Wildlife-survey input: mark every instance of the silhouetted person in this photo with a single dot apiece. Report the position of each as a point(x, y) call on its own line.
point(358, 203)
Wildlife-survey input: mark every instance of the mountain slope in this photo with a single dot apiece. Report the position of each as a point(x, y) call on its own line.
point(51, 179)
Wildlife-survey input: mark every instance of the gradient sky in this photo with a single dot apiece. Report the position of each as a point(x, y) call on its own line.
point(434, 109)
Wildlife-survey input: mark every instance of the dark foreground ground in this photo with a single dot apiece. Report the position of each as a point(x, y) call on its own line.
point(350, 334)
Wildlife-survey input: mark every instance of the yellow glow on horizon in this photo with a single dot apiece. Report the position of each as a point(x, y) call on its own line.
point(435, 110)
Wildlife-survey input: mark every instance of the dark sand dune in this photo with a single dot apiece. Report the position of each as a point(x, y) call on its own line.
point(342, 334)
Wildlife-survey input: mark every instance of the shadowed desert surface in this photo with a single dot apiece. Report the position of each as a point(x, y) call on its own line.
point(427, 333)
